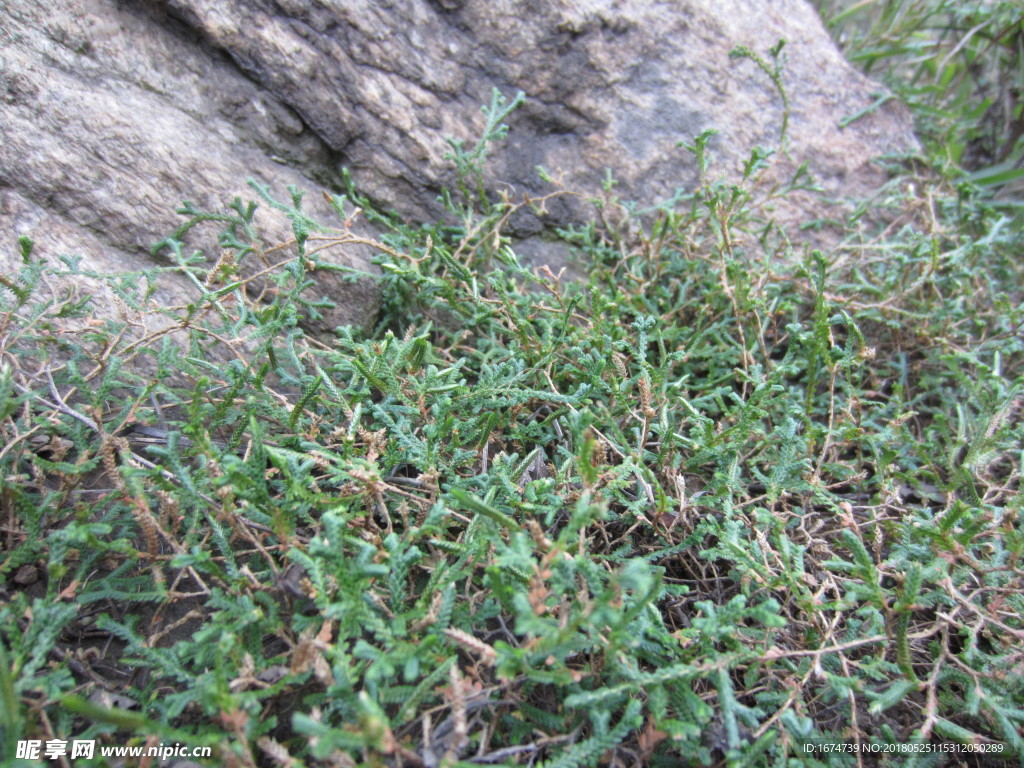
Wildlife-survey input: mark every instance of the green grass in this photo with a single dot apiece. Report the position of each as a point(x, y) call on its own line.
point(725, 500)
point(959, 65)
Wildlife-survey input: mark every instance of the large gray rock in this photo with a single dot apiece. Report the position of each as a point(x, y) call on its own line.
point(113, 111)
point(111, 114)
point(609, 84)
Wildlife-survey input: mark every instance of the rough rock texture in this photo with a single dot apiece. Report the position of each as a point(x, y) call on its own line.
point(609, 83)
point(113, 111)
point(110, 115)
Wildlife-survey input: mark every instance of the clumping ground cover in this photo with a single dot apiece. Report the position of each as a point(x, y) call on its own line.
point(726, 502)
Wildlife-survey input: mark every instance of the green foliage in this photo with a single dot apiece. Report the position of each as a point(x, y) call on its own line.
point(774, 72)
point(959, 65)
point(720, 502)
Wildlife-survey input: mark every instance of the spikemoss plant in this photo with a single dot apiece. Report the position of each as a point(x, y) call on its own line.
point(713, 506)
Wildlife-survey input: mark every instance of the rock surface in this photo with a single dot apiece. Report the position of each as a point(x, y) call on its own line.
point(608, 83)
point(112, 114)
point(113, 111)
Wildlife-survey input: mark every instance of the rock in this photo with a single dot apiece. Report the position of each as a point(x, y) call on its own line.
point(608, 84)
point(112, 112)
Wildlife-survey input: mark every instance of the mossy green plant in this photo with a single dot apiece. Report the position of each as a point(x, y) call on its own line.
point(716, 505)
